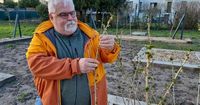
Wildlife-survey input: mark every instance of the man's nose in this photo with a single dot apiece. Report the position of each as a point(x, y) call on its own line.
point(69, 17)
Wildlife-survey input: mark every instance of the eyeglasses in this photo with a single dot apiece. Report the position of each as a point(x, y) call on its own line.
point(65, 15)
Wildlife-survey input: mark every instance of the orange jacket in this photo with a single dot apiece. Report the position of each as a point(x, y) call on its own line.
point(48, 70)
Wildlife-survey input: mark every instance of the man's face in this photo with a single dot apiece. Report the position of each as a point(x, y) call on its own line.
point(64, 19)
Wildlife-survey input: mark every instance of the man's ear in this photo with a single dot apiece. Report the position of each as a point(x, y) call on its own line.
point(50, 17)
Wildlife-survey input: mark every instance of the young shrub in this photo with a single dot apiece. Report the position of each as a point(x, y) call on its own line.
point(42, 10)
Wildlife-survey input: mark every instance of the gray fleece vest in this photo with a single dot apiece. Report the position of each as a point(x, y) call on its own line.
point(74, 91)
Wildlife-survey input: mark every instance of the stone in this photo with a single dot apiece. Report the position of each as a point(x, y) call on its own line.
point(6, 78)
point(162, 57)
point(198, 55)
point(139, 33)
point(157, 39)
point(14, 40)
point(117, 100)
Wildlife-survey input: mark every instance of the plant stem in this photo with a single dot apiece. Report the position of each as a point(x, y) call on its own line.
point(149, 29)
point(107, 25)
point(173, 81)
point(173, 87)
point(148, 57)
point(147, 81)
point(95, 79)
point(96, 57)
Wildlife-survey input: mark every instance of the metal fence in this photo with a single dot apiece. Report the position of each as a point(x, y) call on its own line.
point(23, 14)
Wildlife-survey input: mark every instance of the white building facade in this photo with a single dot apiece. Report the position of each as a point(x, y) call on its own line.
point(166, 7)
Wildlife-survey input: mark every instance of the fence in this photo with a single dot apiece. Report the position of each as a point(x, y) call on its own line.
point(23, 14)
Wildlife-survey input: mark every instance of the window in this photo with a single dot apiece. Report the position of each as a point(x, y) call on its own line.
point(169, 7)
point(130, 5)
point(140, 7)
point(153, 4)
point(183, 4)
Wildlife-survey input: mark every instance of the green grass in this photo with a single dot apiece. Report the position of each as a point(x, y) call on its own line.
point(177, 46)
point(193, 34)
point(6, 29)
point(22, 97)
point(173, 46)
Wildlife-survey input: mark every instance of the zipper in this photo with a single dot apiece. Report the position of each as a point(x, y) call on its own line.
point(76, 76)
point(76, 91)
point(88, 51)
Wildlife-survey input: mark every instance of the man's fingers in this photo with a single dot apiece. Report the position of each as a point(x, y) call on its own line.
point(106, 45)
point(88, 64)
point(92, 65)
point(107, 41)
point(91, 60)
point(102, 38)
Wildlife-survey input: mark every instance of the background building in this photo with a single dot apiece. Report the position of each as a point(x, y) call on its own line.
point(165, 8)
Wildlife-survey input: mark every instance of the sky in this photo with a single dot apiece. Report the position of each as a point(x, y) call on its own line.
point(13, 0)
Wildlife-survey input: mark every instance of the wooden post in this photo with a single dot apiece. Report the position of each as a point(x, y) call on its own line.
point(182, 27)
point(182, 19)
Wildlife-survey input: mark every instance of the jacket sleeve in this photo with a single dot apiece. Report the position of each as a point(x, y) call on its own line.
point(108, 56)
point(44, 64)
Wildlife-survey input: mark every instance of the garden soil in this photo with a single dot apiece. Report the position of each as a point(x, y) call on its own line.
point(123, 80)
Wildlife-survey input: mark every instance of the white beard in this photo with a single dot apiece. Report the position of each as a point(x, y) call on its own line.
point(70, 27)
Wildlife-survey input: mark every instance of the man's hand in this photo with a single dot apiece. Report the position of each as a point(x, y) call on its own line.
point(88, 64)
point(107, 42)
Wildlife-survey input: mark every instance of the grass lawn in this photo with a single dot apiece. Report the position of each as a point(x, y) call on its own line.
point(193, 34)
point(6, 29)
point(27, 28)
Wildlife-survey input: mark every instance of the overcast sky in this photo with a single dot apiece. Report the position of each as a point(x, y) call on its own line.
point(13, 0)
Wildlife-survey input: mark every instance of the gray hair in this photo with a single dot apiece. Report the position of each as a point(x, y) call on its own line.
point(52, 4)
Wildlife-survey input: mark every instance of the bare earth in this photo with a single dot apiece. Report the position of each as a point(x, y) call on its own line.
point(120, 78)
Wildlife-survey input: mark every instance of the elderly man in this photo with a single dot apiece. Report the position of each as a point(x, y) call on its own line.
point(63, 55)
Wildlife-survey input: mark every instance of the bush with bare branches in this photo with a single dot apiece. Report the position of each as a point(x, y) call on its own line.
point(192, 13)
